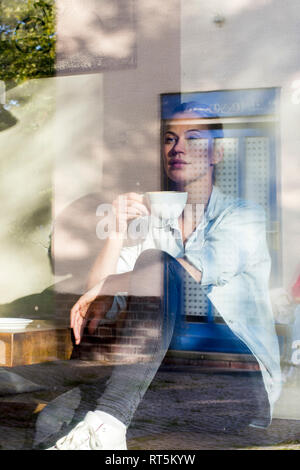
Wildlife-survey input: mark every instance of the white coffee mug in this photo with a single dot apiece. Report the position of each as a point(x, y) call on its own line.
point(166, 205)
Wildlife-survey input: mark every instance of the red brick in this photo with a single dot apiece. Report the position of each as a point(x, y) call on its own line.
point(244, 365)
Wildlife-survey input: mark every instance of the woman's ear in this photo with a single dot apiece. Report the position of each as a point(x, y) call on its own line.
point(218, 154)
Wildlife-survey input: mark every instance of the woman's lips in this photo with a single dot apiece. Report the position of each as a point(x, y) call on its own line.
point(177, 164)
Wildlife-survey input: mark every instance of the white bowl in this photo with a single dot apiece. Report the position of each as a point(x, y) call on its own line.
point(14, 324)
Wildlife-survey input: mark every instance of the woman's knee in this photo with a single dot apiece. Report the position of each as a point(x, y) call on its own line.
point(150, 257)
point(148, 274)
point(158, 259)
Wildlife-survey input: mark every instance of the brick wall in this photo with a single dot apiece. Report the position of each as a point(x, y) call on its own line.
point(125, 340)
point(128, 338)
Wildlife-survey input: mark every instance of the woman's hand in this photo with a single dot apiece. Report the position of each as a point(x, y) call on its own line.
point(127, 207)
point(79, 313)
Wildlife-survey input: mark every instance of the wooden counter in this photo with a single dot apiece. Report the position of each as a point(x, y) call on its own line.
point(35, 344)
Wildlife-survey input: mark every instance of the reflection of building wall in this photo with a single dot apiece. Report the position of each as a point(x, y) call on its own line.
point(107, 129)
point(257, 46)
point(109, 137)
point(26, 192)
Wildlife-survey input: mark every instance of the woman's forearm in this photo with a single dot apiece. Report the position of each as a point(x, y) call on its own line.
point(106, 262)
point(126, 207)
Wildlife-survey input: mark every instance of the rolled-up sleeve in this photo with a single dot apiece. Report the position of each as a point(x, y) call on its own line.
point(127, 259)
point(237, 240)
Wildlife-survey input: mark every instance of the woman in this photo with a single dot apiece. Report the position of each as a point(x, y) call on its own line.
point(192, 174)
point(224, 251)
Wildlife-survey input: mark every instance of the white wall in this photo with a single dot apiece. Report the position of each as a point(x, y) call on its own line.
point(257, 46)
point(108, 137)
point(103, 138)
point(26, 189)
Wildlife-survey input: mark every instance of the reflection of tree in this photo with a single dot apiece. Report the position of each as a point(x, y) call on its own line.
point(27, 45)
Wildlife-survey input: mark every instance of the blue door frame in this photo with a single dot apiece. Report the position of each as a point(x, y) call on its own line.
point(213, 336)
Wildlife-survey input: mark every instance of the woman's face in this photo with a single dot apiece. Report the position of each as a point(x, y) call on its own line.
point(187, 150)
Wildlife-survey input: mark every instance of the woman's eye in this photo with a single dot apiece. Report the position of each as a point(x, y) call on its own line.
point(193, 136)
point(169, 140)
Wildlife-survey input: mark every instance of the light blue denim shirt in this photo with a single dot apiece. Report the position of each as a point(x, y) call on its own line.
point(229, 248)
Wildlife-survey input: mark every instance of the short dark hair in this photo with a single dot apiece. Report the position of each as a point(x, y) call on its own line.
point(202, 110)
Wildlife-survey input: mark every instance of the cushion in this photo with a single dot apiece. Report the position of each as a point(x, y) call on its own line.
point(11, 383)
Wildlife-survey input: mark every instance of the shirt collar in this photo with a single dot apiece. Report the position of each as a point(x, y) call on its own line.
point(212, 206)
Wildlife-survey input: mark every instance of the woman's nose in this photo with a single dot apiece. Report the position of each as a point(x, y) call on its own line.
point(179, 146)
